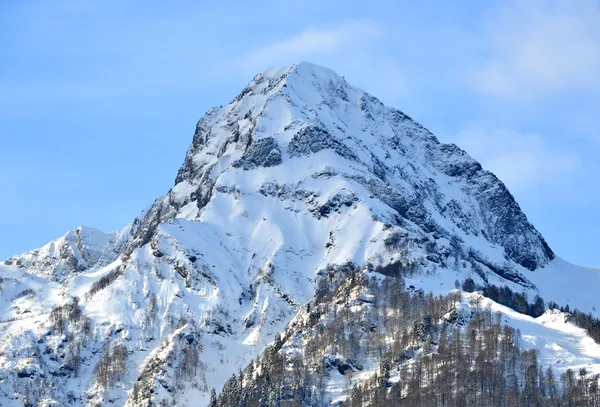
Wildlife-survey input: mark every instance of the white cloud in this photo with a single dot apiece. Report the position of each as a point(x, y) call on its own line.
point(520, 160)
point(540, 47)
point(313, 42)
point(354, 49)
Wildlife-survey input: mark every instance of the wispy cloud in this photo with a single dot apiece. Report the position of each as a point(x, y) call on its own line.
point(355, 49)
point(541, 47)
point(314, 42)
point(520, 160)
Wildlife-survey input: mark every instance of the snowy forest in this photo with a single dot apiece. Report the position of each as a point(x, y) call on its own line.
point(430, 351)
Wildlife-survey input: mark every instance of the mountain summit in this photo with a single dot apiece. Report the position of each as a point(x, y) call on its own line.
point(299, 180)
point(309, 120)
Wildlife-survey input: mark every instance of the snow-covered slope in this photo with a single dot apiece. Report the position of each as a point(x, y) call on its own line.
point(299, 176)
point(78, 250)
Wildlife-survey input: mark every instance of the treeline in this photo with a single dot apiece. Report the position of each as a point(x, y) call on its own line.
point(155, 386)
point(68, 320)
point(582, 320)
point(519, 302)
point(28, 292)
point(515, 300)
point(481, 364)
point(428, 355)
point(110, 368)
point(360, 319)
point(104, 281)
point(69, 313)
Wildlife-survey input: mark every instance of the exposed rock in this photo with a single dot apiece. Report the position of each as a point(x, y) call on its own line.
point(261, 153)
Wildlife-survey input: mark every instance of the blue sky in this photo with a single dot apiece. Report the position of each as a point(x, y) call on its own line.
point(98, 102)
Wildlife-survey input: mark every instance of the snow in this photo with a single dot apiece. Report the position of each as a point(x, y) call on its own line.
point(561, 344)
point(567, 284)
point(238, 251)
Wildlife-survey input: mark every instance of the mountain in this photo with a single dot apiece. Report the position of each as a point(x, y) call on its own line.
point(75, 252)
point(298, 184)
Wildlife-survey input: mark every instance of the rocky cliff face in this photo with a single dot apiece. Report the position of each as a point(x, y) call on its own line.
point(300, 176)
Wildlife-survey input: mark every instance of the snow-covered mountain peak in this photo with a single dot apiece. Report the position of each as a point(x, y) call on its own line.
point(306, 72)
point(76, 251)
point(290, 127)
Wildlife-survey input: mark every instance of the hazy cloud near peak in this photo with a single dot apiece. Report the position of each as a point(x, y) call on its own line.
point(313, 42)
point(537, 48)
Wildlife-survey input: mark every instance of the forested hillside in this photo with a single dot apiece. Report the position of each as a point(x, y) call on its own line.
point(384, 344)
